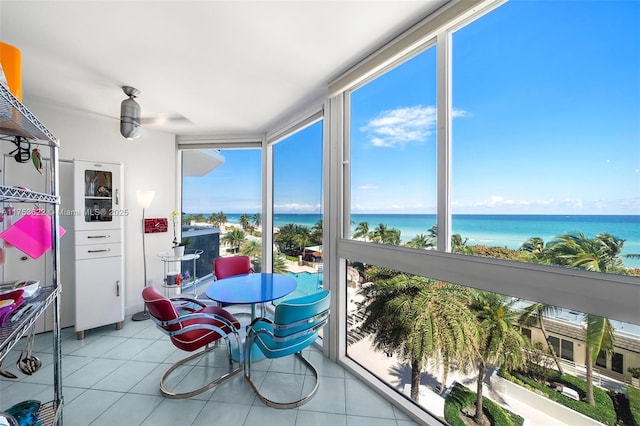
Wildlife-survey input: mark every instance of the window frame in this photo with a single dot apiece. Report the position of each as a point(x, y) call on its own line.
point(608, 295)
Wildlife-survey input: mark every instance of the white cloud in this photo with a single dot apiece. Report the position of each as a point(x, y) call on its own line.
point(368, 186)
point(295, 207)
point(498, 204)
point(404, 125)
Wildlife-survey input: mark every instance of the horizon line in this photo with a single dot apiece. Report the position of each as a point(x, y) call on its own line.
point(434, 214)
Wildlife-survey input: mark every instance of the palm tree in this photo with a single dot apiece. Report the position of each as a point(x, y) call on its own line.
point(286, 237)
point(419, 319)
point(538, 312)
point(252, 248)
point(302, 237)
point(279, 263)
point(385, 235)
point(393, 237)
point(500, 343)
point(458, 245)
point(256, 219)
point(362, 231)
point(433, 235)
point(316, 232)
point(234, 238)
point(598, 254)
point(244, 221)
point(217, 219)
point(379, 233)
point(420, 241)
point(600, 337)
point(535, 246)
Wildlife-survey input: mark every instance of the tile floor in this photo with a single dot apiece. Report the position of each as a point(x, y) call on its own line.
point(112, 377)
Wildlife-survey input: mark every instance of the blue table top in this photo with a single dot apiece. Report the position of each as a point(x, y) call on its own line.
point(251, 288)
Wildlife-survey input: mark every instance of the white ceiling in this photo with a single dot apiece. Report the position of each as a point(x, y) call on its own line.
point(229, 67)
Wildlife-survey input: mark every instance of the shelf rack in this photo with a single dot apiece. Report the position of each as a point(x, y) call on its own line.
point(17, 123)
point(169, 258)
point(10, 193)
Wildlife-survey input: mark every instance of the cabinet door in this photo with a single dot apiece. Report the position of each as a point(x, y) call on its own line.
point(99, 292)
point(98, 195)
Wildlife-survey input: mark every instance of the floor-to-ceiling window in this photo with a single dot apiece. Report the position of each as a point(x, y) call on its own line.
point(547, 154)
point(393, 155)
point(297, 207)
point(526, 149)
point(222, 204)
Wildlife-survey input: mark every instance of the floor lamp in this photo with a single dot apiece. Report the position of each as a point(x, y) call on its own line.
point(144, 201)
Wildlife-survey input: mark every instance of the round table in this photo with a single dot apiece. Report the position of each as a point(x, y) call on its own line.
point(251, 288)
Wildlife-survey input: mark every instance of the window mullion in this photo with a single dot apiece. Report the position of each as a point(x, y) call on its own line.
point(443, 79)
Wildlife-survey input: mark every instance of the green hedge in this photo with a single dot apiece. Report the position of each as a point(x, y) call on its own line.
point(604, 410)
point(461, 397)
point(634, 403)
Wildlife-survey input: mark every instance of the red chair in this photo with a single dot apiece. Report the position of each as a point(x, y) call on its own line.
point(224, 267)
point(192, 325)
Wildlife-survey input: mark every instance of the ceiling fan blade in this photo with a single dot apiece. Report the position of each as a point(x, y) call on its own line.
point(164, 118)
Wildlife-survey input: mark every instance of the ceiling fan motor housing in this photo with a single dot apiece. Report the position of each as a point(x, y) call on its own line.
point(130, 114)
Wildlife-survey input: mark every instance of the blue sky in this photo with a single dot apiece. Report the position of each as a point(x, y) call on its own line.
point(546, 100)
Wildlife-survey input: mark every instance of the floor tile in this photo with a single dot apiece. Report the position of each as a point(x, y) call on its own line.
point(130, 409)
point(112, 377)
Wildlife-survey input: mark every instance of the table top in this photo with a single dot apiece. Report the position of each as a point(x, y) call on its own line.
point(251, 288)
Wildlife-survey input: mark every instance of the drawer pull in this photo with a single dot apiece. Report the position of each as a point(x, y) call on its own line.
point(98, 251)
point(98, 236)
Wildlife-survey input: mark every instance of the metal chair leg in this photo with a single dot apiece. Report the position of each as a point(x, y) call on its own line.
point(282, 405)
point(165, 392)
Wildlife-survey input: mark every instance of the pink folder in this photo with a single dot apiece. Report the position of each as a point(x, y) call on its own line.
point(31, 234)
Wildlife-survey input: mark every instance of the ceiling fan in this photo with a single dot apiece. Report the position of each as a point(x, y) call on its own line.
point(130, 119)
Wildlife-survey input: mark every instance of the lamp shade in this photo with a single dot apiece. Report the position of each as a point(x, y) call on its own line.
point(145, 198)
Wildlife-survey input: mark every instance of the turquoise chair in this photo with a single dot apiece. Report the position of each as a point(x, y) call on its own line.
point(294, 327)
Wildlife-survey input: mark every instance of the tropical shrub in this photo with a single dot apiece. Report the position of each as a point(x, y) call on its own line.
point(461, 397)
point(604, 410)
point(633, 394)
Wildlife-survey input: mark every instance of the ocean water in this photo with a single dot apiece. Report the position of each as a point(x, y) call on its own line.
point(508, 231)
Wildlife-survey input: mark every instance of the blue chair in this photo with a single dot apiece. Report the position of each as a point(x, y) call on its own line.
point(294, 327)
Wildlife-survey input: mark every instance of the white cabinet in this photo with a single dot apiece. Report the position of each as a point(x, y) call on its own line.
point(97, 196)
point(99, 250)
point(99, 292)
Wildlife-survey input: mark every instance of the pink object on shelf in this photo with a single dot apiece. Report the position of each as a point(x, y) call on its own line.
point(6, 311)
point(31, 234)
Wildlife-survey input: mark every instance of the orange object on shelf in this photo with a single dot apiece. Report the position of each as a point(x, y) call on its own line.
point(10, 58)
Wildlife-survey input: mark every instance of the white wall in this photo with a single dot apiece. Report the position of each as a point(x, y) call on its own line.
point(149, 163)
